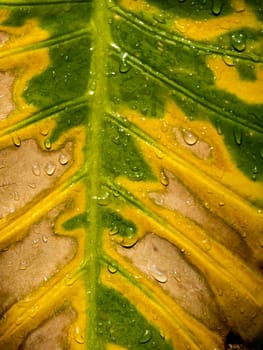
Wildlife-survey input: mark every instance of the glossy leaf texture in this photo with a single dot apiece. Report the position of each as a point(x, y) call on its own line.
point(131, 167)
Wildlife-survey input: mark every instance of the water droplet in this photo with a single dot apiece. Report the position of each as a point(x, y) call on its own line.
point(157, 274)
point(44, 239)
point(238, 136)
point(164, 178)
point(63, 159)
point(177, 276)
point(159, 154)
point(229, 61)
point(36, 169)
point(44, 131)
point(160, 18)
point(124, 66)
point(69, 280)
point(104, 199)
point(189, 137)
point(219, 127)
point(114, 230)
point(35, 242)
point(50, 168)
point(78, 335)
point(16, 140)
point(112, 267)
point(217, 6)
point(146, 336)
point(47, 143)
point(22, 265)
point(261, 152)
point(238, 41)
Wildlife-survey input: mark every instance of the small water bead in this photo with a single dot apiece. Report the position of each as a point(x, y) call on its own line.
point(22, 265)
point(164, 178)
point(219, 127)
point(146, 336)
point(229, 61)
point(47, 144)
point(16, 196)
point(36, 169)
point(44, 239)
point(217, 6)
point(238, 41)
point(238, 136)
point(63, 159)
point(16, 140)
point(124, 66)
point(44, 131)
point(78, 335)
point(50, 168)
point(158, 275)
point(112, 268)
point(189, 137)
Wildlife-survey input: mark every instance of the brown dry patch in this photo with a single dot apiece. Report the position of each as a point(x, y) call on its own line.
point(3, 38)
point(163, 262)
point(189, 140)
point(6, 87)
point(25, 171)
point(53, 334)
point(31, 262)
point(177, 197)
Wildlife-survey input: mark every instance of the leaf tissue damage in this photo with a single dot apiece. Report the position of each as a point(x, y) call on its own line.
point(131, 166)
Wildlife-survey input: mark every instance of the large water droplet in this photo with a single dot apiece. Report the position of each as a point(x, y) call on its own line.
point(157, 274)
point(217, 6)
point(164, 178)
point(238, 41)
point(238, 136)
point(63, 159)
point(50, 168)
point(146, 336)
point(189, 137)
point(104, 199)
point(36, 169)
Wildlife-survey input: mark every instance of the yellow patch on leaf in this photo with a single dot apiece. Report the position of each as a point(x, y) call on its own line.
point(228, 79)
point(209, 29)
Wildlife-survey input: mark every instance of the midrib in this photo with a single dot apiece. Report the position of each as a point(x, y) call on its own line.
point(97, 97)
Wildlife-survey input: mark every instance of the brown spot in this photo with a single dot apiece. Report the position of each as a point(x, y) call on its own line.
point(177, 197)
point(6, 86)
point(3, 38)
point(174, 274)
point(52, 334)
point(25, 171)
point(29, 263)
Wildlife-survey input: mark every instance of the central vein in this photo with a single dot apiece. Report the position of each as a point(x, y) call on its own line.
point(96, 96)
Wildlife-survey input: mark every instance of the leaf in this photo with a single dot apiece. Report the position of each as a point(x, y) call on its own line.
point(131, 174)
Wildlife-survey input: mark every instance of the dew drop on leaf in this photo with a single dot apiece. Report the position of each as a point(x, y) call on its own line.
point(16, 140)
point(36, 169)
point(50, 168)
point(217, 6)
point(146, 336)
point(78, 336)
point(229, 61)
point(238, 41)
point(124, 66)
point(238, 136)
point(157, 274)
point(189, 137)
point(44, 239)
point(47, 143)
point(164, 178)
point(219, 127)
point(63, 159)
point(112, 268)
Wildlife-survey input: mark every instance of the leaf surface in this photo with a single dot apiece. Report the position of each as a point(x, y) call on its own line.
point(131, 160)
